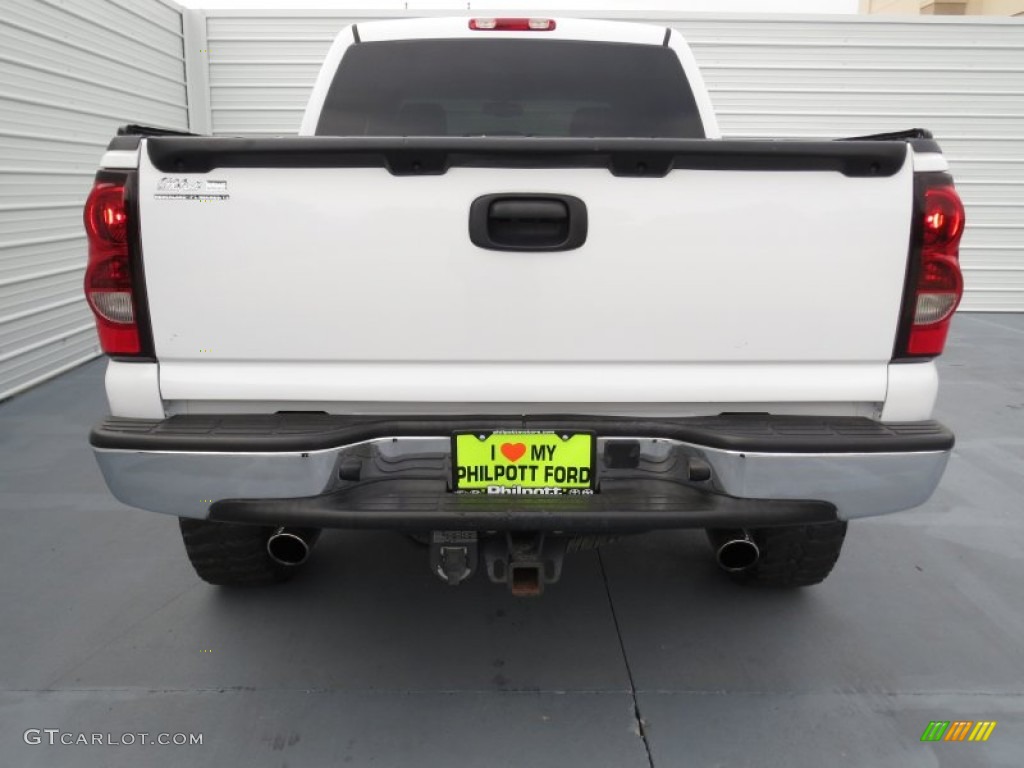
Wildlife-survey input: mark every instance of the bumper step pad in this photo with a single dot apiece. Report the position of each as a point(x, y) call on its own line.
point(311, 432)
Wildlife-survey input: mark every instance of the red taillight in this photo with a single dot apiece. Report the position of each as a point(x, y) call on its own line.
point(106, 219)
point(939, 283)
point(512, 25)
point(943, 217)
point(108, 277)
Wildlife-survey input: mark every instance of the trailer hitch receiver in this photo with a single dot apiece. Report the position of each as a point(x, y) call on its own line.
point(525, 562)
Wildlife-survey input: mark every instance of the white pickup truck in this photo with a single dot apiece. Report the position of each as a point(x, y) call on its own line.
point(510, 292)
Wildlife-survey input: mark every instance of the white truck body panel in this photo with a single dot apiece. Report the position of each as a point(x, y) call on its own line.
point(702, 268)
point(481, 383)
point(726, 357)
point(133, 391)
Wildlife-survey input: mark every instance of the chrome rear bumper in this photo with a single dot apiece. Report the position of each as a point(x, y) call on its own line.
point(356, 478)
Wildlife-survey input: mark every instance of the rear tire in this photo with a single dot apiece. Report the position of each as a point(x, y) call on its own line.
point(793, 555)
point(231, 555)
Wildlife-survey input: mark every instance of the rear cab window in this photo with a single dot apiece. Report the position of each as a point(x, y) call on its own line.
point(503, 87)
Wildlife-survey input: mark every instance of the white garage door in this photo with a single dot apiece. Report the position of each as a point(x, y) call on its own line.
point(71, 71)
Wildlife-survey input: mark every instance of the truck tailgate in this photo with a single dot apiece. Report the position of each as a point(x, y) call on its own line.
point(313, 266)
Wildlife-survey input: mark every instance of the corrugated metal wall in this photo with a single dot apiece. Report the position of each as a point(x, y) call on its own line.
point(786, 76)
point(71, 71)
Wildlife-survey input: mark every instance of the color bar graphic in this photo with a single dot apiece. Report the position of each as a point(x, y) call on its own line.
point(958, 730)
point(982, 730)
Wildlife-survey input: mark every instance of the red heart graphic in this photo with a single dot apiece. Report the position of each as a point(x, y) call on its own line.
point(513, 451)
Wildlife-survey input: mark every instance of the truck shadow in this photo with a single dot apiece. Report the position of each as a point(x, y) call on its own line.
point(367, 614)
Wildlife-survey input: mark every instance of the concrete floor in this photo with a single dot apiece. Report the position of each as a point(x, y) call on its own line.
point(367, 659)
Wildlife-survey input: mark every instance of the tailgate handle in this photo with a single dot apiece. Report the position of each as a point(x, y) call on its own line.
point(528, 222)
point(529, 210)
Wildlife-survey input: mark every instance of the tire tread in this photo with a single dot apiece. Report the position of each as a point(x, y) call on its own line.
point(231, 555)
point(795, 556)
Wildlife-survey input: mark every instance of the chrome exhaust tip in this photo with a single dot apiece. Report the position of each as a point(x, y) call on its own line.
point(737, 553)
point(291, 546)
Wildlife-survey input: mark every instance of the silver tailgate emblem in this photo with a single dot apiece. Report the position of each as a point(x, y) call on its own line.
point(184, 188)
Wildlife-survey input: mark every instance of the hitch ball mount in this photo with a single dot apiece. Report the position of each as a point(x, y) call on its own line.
point(526, 562)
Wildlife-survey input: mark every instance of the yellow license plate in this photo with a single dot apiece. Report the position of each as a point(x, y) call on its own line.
point(529, 463)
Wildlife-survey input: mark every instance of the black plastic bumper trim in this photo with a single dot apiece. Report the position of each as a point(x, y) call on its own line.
point(920, 139)
point(311, 432)
point(622, 156)
point(622, 505)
